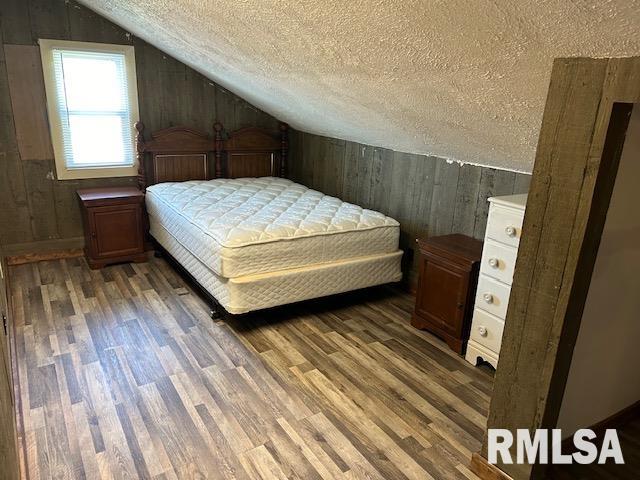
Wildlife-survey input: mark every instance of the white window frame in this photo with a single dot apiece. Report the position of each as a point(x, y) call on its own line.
point(63, 171)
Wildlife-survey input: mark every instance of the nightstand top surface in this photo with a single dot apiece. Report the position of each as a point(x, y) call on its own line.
point(455, 247)
point(108, 193)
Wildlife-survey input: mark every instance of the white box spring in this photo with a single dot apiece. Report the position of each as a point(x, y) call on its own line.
point(255, 292)
point(247, 226)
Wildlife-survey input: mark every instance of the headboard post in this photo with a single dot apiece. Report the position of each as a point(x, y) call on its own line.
point(217, 127)
point(140, 150)
point(284, 148)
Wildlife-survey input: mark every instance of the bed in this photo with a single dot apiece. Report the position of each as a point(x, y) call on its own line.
point(249, 237)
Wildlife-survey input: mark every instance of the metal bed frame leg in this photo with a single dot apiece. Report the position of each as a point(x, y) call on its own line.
point(215, 312)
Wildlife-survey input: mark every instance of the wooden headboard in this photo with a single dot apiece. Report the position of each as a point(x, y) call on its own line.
point(179, 154)
point(250, 152)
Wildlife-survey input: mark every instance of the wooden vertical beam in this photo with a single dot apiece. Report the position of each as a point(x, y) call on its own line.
point(284, 148)
point(140, 153)
point(576, 163)
point(217, 127)
point(9, 461)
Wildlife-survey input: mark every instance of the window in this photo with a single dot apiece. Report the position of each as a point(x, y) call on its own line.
point(92, 103)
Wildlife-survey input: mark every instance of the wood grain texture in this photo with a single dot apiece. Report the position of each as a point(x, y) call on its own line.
point(12, 192)
point(177, 153)
point(47, 249)
point(179, 168)
point(427, 195)
point(486, 471)
point(38, 257)
point(446, 288)
point(9, 460)
point(569, 197)
point(28, 101)
point(250, 152)
point(41, 208)
point(125, 369)
point(114, 225)
point(628, 434)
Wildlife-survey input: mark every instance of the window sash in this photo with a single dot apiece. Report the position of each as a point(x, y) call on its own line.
point(97, 150)
point(127, 159)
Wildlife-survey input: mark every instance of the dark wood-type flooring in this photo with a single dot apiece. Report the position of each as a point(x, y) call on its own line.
point(629, 436)
point(122, 374)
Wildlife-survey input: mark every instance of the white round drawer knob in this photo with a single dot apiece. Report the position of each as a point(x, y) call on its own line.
point(482, 331)
point(488, 297)
point(510, 231)
point(494, 262)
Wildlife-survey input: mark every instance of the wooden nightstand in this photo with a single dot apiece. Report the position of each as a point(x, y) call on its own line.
point(446, 287)
point(113, 225)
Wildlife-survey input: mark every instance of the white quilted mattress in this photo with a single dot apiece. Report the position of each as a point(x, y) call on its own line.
point(247, 226)
point(255, 292)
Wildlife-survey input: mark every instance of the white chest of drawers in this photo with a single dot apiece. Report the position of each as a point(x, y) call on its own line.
point(504, 228)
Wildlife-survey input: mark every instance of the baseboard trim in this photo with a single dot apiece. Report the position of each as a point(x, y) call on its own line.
point(20, 253)
point(619, 419)
point(485, 470)
point(40, 257)
point(615, 421)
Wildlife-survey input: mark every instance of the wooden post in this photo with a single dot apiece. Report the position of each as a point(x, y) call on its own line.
point(140, 150)
point(284, 141)
point(584, 123)
point(217, 127)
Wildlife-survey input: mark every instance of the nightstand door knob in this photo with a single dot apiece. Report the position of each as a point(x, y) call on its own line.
point(488, 297)
point(93, 234)
point(494, 262)
point(482, 331)
point(510, 231)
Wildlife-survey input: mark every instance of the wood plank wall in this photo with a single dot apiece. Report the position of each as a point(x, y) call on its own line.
point(9, 469)
point(39, 212)
point(427, 195)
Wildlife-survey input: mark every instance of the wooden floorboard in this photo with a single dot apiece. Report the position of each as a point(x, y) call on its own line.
point(122, 374)
point(629, 437)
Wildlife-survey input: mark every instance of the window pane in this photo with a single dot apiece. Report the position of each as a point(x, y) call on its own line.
point(94, 82)
point(92, 106)
point(97, 140)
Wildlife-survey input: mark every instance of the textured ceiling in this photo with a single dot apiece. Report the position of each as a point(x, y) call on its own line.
point(464, 80)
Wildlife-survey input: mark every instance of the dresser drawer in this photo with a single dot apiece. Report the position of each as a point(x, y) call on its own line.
point(498, 261)
point(504, 225)
point(487, 330)
point(492, 296)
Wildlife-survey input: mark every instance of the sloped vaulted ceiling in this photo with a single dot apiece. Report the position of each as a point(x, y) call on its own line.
point(461, 79)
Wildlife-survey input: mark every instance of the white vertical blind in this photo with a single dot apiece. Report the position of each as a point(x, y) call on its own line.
point(93, 103)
